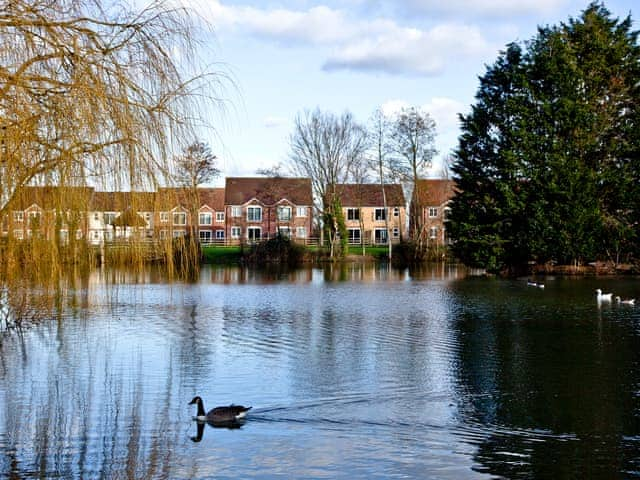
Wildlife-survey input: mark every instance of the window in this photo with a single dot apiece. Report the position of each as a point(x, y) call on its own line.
point(301, 232)
point(109, 217)
point(147, 217)
point(354, 236)
point(164, 217)
point(219, 217)
point(179, 218)
point(163, 234)
point(96, 235)
point(18, 234)
point(236, 211)
point(379, 214)
point(396, 232)
point(34, 219)
point(396, 211)
point(284, 231)
point(433, 212)
point(284, 214)
point(179, 233)
point(353, 214)
point(380, 236)
point(205, 236)
point(301, 211)
point(253, 233)
point(235, 232)
point(219, 234)
point(205, 218)
point(433, 232)
point(18, 216)
point(254, 214)
point(96, 216)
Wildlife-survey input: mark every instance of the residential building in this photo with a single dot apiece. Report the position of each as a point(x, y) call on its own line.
point(433, 197)
point(366, 218)
point(262, 207)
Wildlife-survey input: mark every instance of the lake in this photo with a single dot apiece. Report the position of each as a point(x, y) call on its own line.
point(359, 371)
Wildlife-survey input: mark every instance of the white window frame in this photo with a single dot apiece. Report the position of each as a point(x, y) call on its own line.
point(351, 236)
point(18, 216)
point(236, 211)
point(164, 217)
point(254, 213)
point(353, 214)
point(236, 232)
point(396, 211)
point(379, 214)
point(433, 233)
point(205, 236)
point(433, 212)
point(219, 234)
point(109, 217)
point(285, 231)
point(284, 213)
point(301, 232)
point(386, 236)
point(219, 217)
point(18, 234)
point(254, 229)
point(205, 218)
point(301, 211)
point(176, 216)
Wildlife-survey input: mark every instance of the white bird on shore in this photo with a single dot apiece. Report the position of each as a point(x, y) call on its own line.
point(603, 297)
point(626, 301)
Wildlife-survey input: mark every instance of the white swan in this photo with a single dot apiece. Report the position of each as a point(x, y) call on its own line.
point(603, 297)
point(629, 301)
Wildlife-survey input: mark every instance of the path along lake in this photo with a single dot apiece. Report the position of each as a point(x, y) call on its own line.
point(354, 372)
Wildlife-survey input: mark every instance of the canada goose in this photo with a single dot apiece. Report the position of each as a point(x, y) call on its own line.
point(630, 301)
point(603, 297)
point(232, 413)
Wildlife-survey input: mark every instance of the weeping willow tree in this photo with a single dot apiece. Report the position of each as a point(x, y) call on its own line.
point(96, 93)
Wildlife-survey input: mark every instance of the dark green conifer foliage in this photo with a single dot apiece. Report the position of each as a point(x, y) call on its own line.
point(547, 164)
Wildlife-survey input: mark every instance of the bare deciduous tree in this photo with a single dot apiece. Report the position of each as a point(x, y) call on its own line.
point(411, 144)
point(196, 165)
point(326, 148)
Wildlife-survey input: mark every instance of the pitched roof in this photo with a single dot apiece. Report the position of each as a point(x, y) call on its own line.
point(369, 194)
point(122, 201)
point(434, 191)
point(52, 197)
point(213, 197)
point(268, 190)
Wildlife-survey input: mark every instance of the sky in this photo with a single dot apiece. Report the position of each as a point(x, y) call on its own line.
point(290, 56)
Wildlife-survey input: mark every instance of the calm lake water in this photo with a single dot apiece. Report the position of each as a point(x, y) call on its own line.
point(357, 372)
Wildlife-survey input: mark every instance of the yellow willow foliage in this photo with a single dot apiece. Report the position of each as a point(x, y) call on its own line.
point(92, 93)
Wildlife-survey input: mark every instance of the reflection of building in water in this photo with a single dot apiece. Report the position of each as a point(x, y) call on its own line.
point(231, 275)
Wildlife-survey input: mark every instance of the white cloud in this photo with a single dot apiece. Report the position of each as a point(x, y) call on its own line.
point(396, 49)
point(379, 45)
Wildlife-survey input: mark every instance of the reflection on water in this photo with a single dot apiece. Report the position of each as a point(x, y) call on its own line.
point(354, 371)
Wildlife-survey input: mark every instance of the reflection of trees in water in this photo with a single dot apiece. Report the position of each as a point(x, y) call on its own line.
point(548, 395)
point(59, 430)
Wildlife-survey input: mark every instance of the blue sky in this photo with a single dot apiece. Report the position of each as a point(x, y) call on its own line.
point(290, 55)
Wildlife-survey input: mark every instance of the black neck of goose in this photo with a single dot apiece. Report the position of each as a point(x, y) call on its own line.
point(200, 408)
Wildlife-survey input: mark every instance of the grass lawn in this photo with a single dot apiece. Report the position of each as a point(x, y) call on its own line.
point(215, 254)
